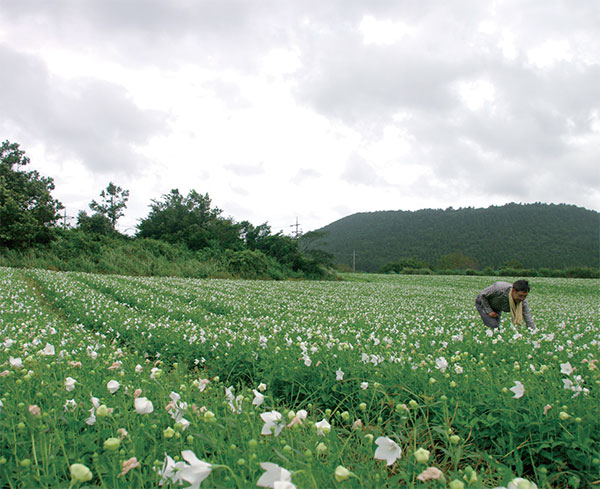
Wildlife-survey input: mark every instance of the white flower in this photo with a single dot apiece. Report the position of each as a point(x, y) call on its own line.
point(458, 369)
point(143, 405)
point(298, 418)
point(138, 368)
point(520, 483)
point(202, 383)
point(387, 450)
point(92, 419)
point(8, 343)
point(196, 470)
point(171, 471)
point(364, 385)
point(262, 387)
point(430, 473)
point(273, 423)
point(274, 473)
point(518, 389)
point(48, 350)
point(70, 384)
point(95, 401)
point(113, 386)
point(323, 427)
point(15, 362)
point(258, 398)
point(339, 374)
point(70, 404)
point(565, 368)
point(284, 485)
point(441, 364)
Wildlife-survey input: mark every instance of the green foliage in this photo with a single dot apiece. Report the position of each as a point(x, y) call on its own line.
point(529, 236)
point(398, 266)
point(189, 220)
point(457, 261)
point(114, 200)
point(95, 224)
point(108, 252)
point(402, 359)
point(27, 209)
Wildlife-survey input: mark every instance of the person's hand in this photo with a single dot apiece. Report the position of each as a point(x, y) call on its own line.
point(493, 314)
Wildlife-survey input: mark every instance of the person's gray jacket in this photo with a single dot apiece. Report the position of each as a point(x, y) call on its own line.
point(495, 298)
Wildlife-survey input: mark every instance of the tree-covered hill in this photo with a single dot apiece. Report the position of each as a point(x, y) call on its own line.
point(527, 235)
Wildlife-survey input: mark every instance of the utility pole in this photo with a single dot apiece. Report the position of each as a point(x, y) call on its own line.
point(65, 217)
point(296, 233)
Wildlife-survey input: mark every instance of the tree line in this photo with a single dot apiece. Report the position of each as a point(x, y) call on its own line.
point(182, 234)
point(511, 237)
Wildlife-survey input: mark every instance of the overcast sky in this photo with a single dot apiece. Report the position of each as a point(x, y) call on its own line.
point(308, 109)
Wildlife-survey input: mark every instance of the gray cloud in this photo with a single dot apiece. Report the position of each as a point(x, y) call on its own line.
point(358, 171)
point(306, 174)
point(536, 139)
point(246, 170)
point(88, 119)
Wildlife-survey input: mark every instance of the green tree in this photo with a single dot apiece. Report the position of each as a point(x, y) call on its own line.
point(95, 224)
point(190, 220)
point(457, 261)
point(114, 200)
point(27, 210)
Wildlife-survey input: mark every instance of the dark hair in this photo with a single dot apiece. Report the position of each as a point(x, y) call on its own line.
point(521, 286)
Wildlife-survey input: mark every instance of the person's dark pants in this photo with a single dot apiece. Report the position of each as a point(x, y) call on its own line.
point(489, 321)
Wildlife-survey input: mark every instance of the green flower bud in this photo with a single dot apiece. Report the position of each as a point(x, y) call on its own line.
point(112, 443)
point(169, 432)
point(421, 455)
point(342, 473)
point(321, 448)
point(456, 484)
point(102, 411)
point(80, 473)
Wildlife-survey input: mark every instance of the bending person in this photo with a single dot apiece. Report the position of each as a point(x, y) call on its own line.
point(504, 297)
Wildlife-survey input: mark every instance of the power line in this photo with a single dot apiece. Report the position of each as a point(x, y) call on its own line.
point(296, 232)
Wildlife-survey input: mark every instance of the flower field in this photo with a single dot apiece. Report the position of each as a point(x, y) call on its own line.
point(375, 381)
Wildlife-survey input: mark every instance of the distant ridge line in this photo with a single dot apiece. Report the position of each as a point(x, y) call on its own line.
point(531, 235)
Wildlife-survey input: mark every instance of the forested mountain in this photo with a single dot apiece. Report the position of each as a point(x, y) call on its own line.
point(527, 235)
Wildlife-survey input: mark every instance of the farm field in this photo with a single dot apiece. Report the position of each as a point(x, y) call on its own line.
point(374, 381)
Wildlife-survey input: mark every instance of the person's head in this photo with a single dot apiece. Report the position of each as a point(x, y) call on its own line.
point(520, 289)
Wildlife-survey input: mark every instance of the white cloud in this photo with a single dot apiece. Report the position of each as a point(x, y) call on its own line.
point(286, 108)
